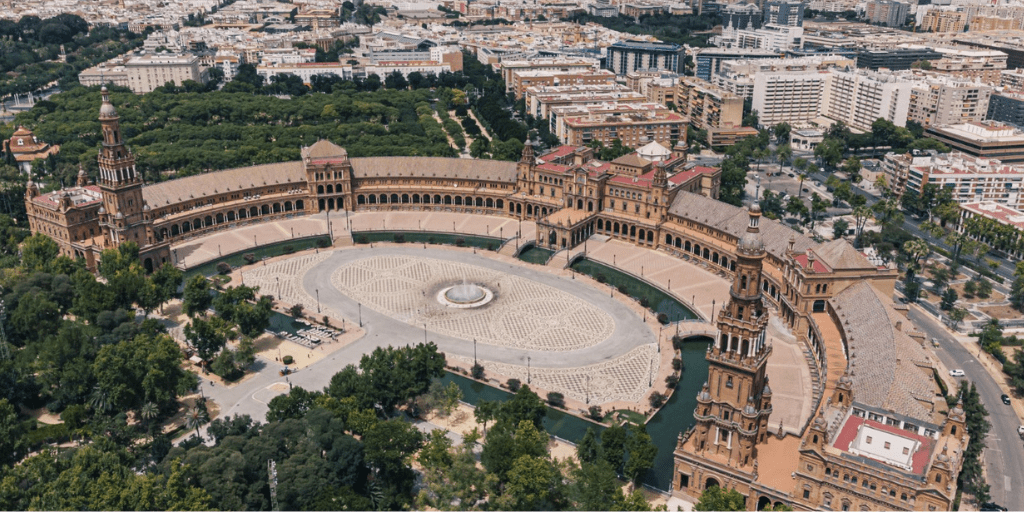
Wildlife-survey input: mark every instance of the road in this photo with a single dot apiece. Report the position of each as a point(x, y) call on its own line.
point(1004, 450)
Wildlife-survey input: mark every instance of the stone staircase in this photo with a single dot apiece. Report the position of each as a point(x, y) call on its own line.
point(817, 380)
point(558, 259)
point(344, 241)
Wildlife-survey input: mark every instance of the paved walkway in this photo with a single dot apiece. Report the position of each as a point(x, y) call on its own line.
point(195, 251)
point(616, 371)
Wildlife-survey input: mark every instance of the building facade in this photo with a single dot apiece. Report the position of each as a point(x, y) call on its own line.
point(149, 71)
point(627, 56)
point(983, 139)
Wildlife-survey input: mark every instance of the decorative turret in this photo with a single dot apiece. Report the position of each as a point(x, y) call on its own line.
point(527, 156)
point(119, 182)
point(31, 189)
point(660, 175)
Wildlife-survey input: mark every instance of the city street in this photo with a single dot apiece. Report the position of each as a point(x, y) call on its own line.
point(1004, 453)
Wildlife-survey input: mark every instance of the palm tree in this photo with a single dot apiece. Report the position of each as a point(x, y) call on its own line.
point(197, 417)
point(100, 400)
point(148, 412)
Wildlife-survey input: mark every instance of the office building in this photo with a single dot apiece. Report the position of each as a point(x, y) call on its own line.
point(783, 12)
point(983, 139)
point(627, 56)
point(718, 112)
point(1007, 107)
point(943, 100)
point(895, 58)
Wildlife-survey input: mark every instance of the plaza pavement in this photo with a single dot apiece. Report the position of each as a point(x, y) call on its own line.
point(629, 356)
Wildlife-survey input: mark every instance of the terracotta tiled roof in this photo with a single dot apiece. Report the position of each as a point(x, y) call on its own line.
point(324, 149)
point(890, 370)
point(840, 255)
point(194, 187)
point(733, 220)
point(427, 167)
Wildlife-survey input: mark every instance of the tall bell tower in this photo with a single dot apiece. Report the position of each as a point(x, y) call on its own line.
point(122, 213)
point(735, 402)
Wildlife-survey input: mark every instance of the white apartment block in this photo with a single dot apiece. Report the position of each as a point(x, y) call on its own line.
point(789, 97)
point(424, 67)
point(541, 99)
point(776, 38)
point(737, 76)
point(942, 100)
point(306, 70)
point(970, 179)
point(146, 72)
point(860, 97)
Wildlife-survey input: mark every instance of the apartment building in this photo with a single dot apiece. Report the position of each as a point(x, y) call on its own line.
point(860, 97)
point(1001, 214)
point(104, 73)
point(540, 100)
point(887, 12)
point(565, 65)
point(524, 79)
point(634, 129)
point(784, 12)
point(148, 71)
point(985, 23)
point(776, 38)
point(970, 179)
point(974, 64)
point(626, 56)
point(788, 96)
point(656, 86)
point(737, 76)
point(943, 100)
point(943, 20)
point(718, 112)
point(983, 139)
point(558, 116)
point(1012, 79)
point(306, 70)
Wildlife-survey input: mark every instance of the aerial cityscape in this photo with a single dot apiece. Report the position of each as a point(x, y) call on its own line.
point(511, 255)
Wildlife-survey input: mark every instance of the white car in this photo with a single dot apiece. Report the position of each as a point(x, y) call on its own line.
point(956, 373)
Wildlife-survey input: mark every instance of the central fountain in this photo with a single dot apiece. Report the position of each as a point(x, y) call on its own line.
point(464, 295)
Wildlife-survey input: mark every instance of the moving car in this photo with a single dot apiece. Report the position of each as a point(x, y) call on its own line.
point(957, 373)
point(935, 342)
point(1005, 399)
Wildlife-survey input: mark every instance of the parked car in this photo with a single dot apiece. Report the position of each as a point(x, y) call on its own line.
point(935, 342)
point(1006, 399)
point(957, 373)
point(993, 506)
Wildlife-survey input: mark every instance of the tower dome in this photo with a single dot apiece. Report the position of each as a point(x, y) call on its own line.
point(107, 109)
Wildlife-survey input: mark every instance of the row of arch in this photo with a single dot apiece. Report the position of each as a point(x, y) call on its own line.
point(631, 232)
point(479, 202)
point(532, 212)
point(214, 219)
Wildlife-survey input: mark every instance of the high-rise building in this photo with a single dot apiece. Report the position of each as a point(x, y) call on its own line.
point(895, 58)
point(887, 12)
point(861, 97)
point(742, 15)
point(782, 12)
point(1007, 107)
point(941, 100)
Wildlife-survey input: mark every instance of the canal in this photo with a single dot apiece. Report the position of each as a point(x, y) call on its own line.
point(654, 299)
point(536, 255)
point(664, 428)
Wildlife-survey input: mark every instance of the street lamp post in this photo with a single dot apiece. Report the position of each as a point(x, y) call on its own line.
point(588, 389)
point(474, 352)
point(218, 251)
point(712, 310)
point(278, 288)
point(254, 244)
point(528, 376)
point(424, 333)
point(318, 300)
point(360, 313)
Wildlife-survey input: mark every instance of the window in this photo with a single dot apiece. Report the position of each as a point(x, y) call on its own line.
point(887, 445)
point(807, 494)
point(728, 382)
point(869, 440)
point(906, 451)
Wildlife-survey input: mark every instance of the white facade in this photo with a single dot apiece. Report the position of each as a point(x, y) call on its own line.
point(788, 97)
point(305, 71)
point(859, 98)
point(149, 71)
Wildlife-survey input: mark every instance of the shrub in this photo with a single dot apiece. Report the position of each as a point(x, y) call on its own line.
point(595, 413)
point(288, 249)
point(492, 247)
point(399, 238)
point(556, 399)
point(460, 241)
point(622, 289)
point(645, 302)
point(287, 360)
point(677, 365)
point(513, 385)
point(296, 310)
point(662, 319)
point(326, 321)
point(223, 267)
point(600, 278)
point(657, 399)
point(672, 380)
point(478, 371)
point(249, 258)
point(323, 242)
point(361, 239)
point(431, 240)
